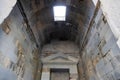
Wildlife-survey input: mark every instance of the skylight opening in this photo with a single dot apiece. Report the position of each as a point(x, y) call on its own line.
point(59, 13)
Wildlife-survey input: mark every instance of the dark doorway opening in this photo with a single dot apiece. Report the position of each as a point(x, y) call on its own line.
point(59, 74)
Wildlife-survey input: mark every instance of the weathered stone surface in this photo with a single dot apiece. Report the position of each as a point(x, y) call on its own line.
point(16, 49)
point(101, 54)
point(30, 29)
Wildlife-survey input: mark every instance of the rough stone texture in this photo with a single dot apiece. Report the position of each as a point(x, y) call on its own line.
point(67, 47)
point(41, 20)
point(16, 49)
point(60, 55)
point(100, 57)
point(112, 14)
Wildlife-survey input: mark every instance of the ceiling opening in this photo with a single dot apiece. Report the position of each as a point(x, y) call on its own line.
point(59, 13)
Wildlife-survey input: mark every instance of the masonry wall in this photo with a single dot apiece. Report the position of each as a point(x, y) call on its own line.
point(56, 55)
point(17, 51)
point(65, 47)
point(100, 57)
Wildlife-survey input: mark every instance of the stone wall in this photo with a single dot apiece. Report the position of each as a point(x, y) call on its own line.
point(60, 55)
point(100, 56)
point(46, 74)
point(17, 51)
point(66, 47)
point(112, 14)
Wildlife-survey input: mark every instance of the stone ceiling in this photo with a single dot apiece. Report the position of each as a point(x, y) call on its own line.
point(39, 14)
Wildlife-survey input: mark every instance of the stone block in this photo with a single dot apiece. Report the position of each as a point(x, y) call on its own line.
point(108, 34)
point(109, 76)
point(108, 68)
point(117, 74)
point(103, 30)
point(108, 57)
point(104, 77)
point(109, 44)
point(6, 74)
point(99, 15)
point(100, 71)
point(115, 51)
point(100, 64)
point(115, 63)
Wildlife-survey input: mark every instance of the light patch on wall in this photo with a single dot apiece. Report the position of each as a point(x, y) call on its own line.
point(6, 7)
point(59, 13)
point(95, 2)
point(118, 42)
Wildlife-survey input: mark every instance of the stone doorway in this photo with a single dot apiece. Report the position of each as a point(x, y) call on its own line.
point(59, 74)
